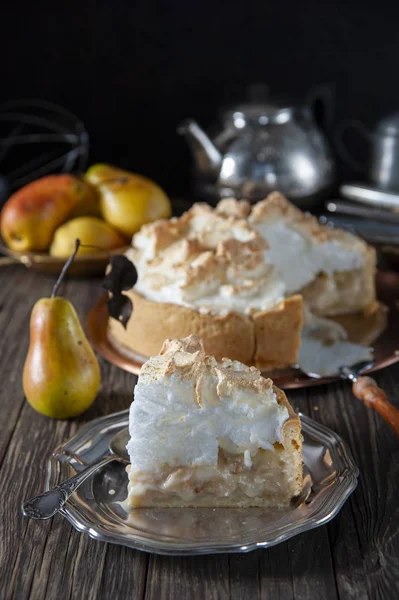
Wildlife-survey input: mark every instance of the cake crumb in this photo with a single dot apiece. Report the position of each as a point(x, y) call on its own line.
point(247, 459)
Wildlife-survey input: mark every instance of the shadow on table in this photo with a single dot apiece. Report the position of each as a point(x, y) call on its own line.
point(106, 405)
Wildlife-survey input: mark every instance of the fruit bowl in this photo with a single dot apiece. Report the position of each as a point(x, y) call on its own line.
point(87, 264)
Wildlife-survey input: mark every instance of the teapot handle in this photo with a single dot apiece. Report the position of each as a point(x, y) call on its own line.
point(321, 101)
point(343, 152)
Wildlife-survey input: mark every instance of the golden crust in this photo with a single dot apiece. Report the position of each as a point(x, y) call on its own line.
point(233, 335)
point(152, 323)
point(292, 438)
point(278, 334)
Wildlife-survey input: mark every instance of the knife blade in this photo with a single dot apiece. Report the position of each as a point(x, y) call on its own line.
point(367, 194)
point(346, 208)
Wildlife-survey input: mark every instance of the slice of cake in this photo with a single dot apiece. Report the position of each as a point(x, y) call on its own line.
point(209, 433)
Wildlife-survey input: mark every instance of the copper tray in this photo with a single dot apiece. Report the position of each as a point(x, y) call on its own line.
point(86, 264)
point(386, 347)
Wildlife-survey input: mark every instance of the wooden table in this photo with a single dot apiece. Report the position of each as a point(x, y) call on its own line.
point(354, 556)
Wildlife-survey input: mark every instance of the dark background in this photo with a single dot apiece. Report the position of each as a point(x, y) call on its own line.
point(131, 70)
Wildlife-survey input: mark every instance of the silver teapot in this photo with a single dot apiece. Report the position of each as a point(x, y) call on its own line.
point(261, 147)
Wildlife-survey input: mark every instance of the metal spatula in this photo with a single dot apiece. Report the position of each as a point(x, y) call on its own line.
point(318, 359)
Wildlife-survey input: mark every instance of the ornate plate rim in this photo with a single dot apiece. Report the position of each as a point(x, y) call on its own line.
point(80, 520)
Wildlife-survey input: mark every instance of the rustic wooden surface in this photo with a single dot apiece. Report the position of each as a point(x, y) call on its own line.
point(354, 556)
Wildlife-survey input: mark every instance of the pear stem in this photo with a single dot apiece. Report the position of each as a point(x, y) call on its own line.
point(96, 248)
point(123, 179)
point(65, 268)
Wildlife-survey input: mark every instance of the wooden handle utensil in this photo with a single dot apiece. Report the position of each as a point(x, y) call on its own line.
point(367, 390)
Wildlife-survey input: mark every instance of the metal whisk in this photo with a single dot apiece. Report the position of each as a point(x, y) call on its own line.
point(38, 138)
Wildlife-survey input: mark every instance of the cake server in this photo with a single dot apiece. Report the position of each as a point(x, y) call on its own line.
point(48, 504)
point(319, 359)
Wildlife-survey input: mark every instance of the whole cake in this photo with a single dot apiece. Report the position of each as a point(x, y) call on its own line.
point(240, 277)
point(209, 433)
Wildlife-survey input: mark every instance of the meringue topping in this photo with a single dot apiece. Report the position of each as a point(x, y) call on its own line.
point(187, 406)
point(205, 259)
point(232, 258)
point(300, 247)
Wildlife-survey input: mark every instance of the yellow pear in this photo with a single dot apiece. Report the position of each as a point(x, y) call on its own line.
point(90, 231)
point(128, 200)
point(61, 376)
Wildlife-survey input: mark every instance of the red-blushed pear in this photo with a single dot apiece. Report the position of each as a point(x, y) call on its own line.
point(31, 215)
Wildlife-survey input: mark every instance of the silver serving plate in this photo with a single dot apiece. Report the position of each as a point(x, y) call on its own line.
point(97, 506)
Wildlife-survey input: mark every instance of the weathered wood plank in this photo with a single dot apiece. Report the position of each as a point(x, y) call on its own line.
point(292, 569)
point(364, 538)
point(22, 475)
point(244, 574)
point(312, 566)
point(132, 565)
point(339, 411)
point(188, 577)
point(300, 568)
point(14, 328)
point(276, 574)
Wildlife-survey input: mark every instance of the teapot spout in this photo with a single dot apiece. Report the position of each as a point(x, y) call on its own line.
point(207, 157)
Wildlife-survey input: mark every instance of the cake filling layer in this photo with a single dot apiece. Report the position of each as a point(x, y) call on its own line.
point(234, 476)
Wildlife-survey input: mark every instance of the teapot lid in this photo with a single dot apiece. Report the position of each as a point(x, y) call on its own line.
point(389, 125)
point(261, 113)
